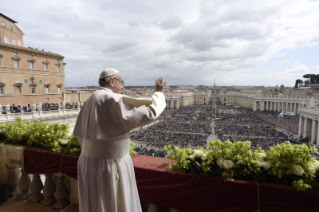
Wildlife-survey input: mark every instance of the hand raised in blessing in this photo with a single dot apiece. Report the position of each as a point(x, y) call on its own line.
point(159, 85)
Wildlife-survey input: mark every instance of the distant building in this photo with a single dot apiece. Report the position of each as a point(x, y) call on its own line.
point(27, 75)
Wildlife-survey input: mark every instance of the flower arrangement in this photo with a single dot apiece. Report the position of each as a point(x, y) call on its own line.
point(54, 137)
point(283, 163)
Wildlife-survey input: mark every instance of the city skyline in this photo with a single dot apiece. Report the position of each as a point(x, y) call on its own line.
point(193, 43)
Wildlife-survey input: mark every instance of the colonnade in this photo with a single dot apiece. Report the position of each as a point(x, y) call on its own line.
point(280, 106)
point(172, 103)
point(309, 128)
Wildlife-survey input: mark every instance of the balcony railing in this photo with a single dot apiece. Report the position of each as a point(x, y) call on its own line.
point(57, 191)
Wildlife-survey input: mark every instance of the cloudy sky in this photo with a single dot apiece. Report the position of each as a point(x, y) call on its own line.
point(187, 42)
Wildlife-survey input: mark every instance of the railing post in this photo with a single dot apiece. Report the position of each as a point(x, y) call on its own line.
point(36, 188)
point(48, 191)
point(24, 185)
point(13, 180)
point(61, 193)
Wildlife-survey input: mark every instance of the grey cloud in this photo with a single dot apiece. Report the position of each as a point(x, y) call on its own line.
point(171, 22)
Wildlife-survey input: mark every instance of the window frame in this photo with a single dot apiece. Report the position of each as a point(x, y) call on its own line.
point(47, 89)
point(5, 39)
point(16, 64)
point(1, 89)
point(14, 41)
point(31, 65)
point(32, 89)
point(46, 67)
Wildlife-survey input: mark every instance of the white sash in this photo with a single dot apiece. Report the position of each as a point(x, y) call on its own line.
point(107, 149)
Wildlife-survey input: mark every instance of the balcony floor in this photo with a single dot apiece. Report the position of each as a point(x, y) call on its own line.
point(19, 205)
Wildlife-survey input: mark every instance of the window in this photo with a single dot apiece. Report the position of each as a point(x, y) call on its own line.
point(3, 24)
point(46, 89)
point(15, 53)
point(46, 67)
point(25, 82)
point(32, 89)
point(59, 98)
point(48, 99)
point(31, 65)
point(59, 89)
point(16, 63)
point(31, 56)
point(68, 98)
point(76, 98)
point(14, 42)
point(5, 39)
point(11, 28)
point(58, 68)
point(18, 91)
point(1, 90)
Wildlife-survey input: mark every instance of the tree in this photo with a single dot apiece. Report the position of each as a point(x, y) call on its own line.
point(298, 82)
point(312, 78)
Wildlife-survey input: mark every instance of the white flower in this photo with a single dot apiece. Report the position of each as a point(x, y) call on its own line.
point(64, 141)
point(312, 168)
point(192, 157)
point(198, 153)
point(259, 163)
point(203, 156)
point(266, 166)
point(228, 164)
point(220, 162)
point(317, 165)
point(260, 155)
point(298, 170)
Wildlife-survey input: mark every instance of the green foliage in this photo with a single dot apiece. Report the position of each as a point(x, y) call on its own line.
point(54, 137)
point(285, 162)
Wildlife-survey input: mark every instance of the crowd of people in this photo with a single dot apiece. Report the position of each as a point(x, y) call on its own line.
point(187, 126)
point(262, 128)
point(190, 127)
point(34, 107)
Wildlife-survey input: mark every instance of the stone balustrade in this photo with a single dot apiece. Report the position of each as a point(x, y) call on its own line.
point(57, 191)
point(37, 115)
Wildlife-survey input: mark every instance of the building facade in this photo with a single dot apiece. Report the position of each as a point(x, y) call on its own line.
point(27, 75)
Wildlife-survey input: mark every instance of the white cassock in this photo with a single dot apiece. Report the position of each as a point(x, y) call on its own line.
point(106, 178)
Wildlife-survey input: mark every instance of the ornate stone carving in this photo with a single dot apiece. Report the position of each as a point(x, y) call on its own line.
point(13, 180)
point(16, 58)
point(48, 191)
point(31, 60)
point(36, 188)
point(61, 193)
point(24, 185)
point(45, 62)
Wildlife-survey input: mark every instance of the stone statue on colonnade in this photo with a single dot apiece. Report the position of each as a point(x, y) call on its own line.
point(33, 107)
point(40, 106)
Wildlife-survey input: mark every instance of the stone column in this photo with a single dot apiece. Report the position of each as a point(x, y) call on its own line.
point(287, 107)
point(317, 138)
point(290, 107)
point(177, 104)
point(255, 106)
point(267, 106)
point(313, 131)
point(301, 123)
point(305, 123)
point(262, 106)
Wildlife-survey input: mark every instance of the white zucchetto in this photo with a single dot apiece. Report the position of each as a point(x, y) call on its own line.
point(108, 72)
